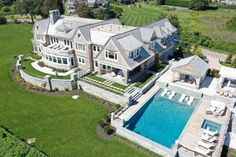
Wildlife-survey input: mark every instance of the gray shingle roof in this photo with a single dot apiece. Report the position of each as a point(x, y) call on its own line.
point(193, 65)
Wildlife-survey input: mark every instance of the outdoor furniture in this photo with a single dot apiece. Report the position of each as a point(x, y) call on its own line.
point(206, 145)
point(208, 138)
point(205, 152)
point(182, 98)
point(211, 110)
point(220, 110)
point(113, 74)
point(164, 92)
point(172, 95)
point(190, 100)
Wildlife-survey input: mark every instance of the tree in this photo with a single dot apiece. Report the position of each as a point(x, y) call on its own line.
point(174, 20)
point(84, 11)
point(199, 4)
point(51, 5)
point(234, 62)
point(3, 20)
point(229, 58)
point(198, 51)
point(1, 4)
point(31, 7)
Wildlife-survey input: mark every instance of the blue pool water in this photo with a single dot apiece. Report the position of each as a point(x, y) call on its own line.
point(211, 126)
point(161, 120)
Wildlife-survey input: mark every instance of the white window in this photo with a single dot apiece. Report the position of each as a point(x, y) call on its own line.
point(111, 55)
point(80, 47)
point(54, 40)
point(59, 61)
point(96, 48)
point(64, 60)
point(81, 60)
point(68, 43)
point(39, 37)
point(134, 54)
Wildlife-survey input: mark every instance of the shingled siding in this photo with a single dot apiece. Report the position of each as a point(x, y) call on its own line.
point(101, 93)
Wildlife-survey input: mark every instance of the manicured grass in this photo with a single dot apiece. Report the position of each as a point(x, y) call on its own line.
point(27, 67)
point(211, 23)
point(95, 77)
point(144, 80)
point(121, 86)
point(62, 127)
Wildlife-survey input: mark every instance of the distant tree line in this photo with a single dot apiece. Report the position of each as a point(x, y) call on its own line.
point(192, 4)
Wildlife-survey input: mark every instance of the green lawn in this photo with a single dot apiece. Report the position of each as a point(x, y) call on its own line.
point(62, 126)
point(211, 23)
point(27, 67)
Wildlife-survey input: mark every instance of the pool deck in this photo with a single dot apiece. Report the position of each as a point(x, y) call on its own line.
point(193, 132)
point(141, 101)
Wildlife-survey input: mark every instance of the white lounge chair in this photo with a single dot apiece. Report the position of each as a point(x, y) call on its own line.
point(164, 92)
point(206, 145)
point(172, 95)
point(220, 110)
point(190, 100)
point(208, 138)
point(181, 99)
point(205, 152)
point(211, 133)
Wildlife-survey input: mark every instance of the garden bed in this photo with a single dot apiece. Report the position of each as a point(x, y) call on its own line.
point(28, 68)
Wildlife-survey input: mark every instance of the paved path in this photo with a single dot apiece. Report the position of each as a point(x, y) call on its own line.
point(214, 58)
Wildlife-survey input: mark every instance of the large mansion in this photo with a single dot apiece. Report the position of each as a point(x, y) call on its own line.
point(103, 46)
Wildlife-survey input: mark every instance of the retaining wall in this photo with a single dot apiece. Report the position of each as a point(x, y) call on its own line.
point(31, 79)
point(101, 93)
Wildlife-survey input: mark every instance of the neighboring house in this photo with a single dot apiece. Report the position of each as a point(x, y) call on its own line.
point(228, 2)
point(94, 3)
point(125, 1)
point(117, 52)
point(191, 71)
point(227, 81)
point(71, 5)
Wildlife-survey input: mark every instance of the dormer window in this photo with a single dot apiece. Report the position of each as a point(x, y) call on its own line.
point(111, 55)
point(135, 54)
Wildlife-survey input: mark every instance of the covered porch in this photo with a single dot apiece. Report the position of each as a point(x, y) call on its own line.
point(186, 79)
point(227, 81)
point(190, 71)
point(120, 75)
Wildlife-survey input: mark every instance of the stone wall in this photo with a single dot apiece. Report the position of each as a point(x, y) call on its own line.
point(144, 142)
point(101, 93)
point(31, 79)
point(61, 84)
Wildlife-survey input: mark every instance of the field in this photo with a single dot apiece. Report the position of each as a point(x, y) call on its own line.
point(62, 127)
point(210, 23)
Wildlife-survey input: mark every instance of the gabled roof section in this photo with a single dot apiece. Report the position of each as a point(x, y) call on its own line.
point(41, 26)
point(129, 43)
point(147, 33)
point(228, 72)
point(162, 28)
point(194, 66)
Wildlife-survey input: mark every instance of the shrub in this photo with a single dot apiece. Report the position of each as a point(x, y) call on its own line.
point(215, 73)
point(6, 9)
point(102, 124)
point(41, 64)
point(3, 20)
point(229, 59)
point(108, 130)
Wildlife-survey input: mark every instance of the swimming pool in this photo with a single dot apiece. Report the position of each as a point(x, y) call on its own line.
point(161, 120)
point(211, 126)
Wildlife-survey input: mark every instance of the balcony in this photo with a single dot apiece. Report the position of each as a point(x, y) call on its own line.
point(57, 50)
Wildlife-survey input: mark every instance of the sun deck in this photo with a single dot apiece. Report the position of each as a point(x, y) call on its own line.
point(193, 132)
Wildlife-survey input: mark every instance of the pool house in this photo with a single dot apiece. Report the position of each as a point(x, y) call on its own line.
point(190, 71)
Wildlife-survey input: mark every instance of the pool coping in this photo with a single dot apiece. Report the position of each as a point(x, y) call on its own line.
point(155, 146)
